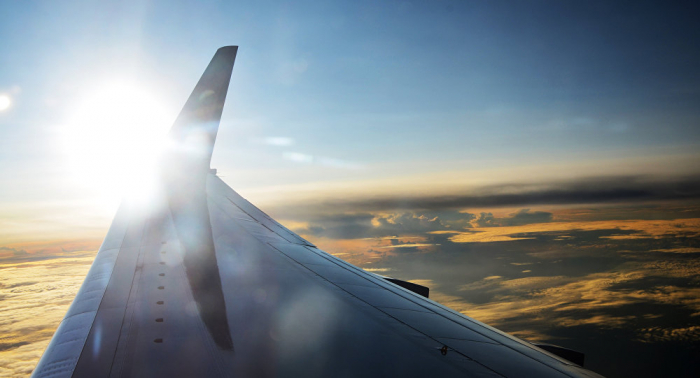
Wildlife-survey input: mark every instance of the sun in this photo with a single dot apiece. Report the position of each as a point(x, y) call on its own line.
point(112, 139)
point(5, 102)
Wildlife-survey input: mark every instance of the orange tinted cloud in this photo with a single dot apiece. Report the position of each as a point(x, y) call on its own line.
point(33, 306)
point(640, 228)
point(562, 301)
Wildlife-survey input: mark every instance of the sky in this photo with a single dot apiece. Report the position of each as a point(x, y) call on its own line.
point(535, 163)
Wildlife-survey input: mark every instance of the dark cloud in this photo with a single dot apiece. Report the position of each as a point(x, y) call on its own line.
point(518, 218)
point(486, 220)
point(453, 218)
point(364, 225)
point(409, 223)
point(600, 190)
point(8, 346)
point(340, 226)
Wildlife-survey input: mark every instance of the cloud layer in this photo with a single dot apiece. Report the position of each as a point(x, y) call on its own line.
point(617, 190)
point(32, 305)
point(577, 277)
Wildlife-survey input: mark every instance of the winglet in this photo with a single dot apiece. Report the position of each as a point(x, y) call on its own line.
point(194, 132)
point(184, 169)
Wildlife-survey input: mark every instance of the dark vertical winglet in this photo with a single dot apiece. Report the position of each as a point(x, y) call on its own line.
point(184, 170)
point(194, 130)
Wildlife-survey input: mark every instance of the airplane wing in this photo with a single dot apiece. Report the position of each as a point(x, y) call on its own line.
point(201, 283)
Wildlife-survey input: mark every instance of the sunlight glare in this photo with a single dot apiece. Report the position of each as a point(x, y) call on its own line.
point(112, 140)
point(5, 102)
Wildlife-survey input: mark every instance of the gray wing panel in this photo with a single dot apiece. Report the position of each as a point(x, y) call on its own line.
point(287, 321)
point(242, 206)
point(148, 324)
point(135, 315)
point(397, 311)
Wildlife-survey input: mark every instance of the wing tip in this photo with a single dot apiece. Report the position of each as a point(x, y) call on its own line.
point(230, 48)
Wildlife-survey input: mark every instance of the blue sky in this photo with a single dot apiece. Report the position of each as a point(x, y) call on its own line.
point(367, 92)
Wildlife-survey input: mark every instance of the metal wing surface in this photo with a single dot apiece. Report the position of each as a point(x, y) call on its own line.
point(201, 283)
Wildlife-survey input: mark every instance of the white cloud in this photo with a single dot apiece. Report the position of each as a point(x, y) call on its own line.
point(298, 157)
point(278, 141)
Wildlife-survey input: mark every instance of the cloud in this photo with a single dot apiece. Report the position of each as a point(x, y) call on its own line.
point(534, 306)
point(7, 346)
point(408, 223)
point(524, 216)
point(455, 219)
point(278, 141)
point(298, 157)
point(657, 334)
point(414, 245)
point(566, 280)
point(366, 225)
point(6, 251)
point(357, 226)
point(592, 232)
point(303, 158)
point(596, 190)
point(33, 306)
point(567, 283)
point(486, 220)
point(519, 218)
point(340, 226)
point(46, 250)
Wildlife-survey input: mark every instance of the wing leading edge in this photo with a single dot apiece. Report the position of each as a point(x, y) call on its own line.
point(203, 283)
